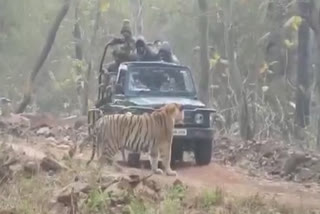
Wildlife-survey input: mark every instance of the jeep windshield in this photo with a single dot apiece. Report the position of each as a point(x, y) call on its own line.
point(159, 81)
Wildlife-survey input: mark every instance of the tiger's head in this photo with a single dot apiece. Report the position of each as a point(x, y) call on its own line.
point(175, 111)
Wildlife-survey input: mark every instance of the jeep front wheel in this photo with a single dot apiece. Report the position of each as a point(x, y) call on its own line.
point(203, 152)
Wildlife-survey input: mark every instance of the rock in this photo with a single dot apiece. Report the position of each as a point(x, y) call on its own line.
point(293, 162)
point(64, 196)
point(17, 120)
point(153, 185)
point(79, 123)
point(44, 131)
point(58, 208)
point(72, 151)
point(308, 186)
point(48, 164)
point(266, 150)
point(177, 182)
point(5, 174)
point(51, 173)
point(106, 178)
point(316, 167)
point(41, 120)
point(11, 211)
point(31, 168)
point(303, 175)
point(52, 140)
point(14, 124)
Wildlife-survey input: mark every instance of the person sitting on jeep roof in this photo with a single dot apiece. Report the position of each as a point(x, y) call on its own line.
point(144, 52)
point(165, 53)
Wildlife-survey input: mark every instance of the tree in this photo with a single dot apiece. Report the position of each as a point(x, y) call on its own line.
point(302, 92)
point(43, 56)
point(310, 11)
point(204, 58)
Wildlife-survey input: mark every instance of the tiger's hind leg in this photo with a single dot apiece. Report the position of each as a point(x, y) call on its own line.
point(123, 153)
point(154, 159)
point(165, 152)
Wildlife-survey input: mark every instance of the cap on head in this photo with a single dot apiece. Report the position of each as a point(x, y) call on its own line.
point(126, 27)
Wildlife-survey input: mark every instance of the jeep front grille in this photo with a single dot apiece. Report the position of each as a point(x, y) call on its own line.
point(188, 117)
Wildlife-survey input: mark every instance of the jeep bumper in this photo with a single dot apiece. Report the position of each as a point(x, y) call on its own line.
point(183, 133)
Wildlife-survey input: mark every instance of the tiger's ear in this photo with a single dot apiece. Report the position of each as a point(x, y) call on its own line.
point(180, 107)
point(171, 109)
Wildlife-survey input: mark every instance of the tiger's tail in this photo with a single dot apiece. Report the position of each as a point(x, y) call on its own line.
point(93, 151)
point(93, 116)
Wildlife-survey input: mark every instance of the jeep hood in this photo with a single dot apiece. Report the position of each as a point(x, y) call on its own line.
point(159, 101)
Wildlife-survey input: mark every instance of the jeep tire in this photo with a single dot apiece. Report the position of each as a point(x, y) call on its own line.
point(176, 152)
point(203, 152)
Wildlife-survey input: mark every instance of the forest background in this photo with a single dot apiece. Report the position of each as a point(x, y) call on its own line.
point(255, 61)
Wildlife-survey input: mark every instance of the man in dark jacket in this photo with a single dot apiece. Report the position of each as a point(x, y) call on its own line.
point(144, 52)
point(165, 53)
point(127, 46)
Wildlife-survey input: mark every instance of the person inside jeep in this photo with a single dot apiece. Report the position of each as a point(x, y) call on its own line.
point(155, 80)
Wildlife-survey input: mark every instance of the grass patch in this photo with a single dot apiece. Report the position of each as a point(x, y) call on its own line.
point(211, 198)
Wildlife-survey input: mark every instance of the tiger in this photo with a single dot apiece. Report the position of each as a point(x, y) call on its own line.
point(92, 117)
point(149, 132)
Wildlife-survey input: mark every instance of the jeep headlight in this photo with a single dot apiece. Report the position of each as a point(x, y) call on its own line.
point(212, 119)
point(199, 118)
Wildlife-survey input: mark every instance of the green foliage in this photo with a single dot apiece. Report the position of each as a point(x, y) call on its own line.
point(98, 201)
point(171, 206)
point(137, 206)
point(176, 192)
point(104, 5)
point(173, 200)
point(211, 198)
point(24, 26)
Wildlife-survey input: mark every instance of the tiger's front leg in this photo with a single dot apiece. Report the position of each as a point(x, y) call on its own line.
point(108, 158)
point(165, 152)
point(154, 159)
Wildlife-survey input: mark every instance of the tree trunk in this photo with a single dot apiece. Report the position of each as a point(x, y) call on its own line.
point(43, 56)
point(139, 23)
point(302, 93)
point(235, 88)
point(245, 119)
point(89, 55)
point(79, 57)
point(204, 59)
point(83, 91)
point(137, 18)
point(235, 76)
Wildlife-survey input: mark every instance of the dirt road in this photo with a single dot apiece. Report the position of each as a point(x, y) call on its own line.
point(235, 182)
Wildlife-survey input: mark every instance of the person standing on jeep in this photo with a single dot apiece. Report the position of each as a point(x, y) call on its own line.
point(121, 54)
point(126, 50)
